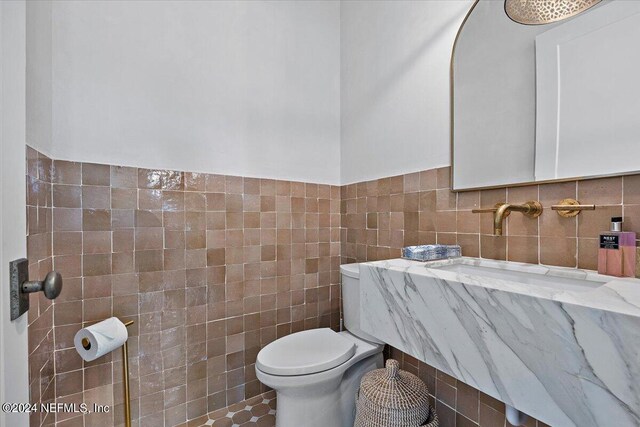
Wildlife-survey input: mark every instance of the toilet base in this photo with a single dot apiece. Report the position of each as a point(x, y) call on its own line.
point(331, 404)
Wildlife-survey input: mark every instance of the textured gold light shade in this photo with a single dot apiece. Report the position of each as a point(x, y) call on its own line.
point(537, 12)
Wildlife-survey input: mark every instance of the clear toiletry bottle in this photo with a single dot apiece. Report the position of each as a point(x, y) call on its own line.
point(617, 253)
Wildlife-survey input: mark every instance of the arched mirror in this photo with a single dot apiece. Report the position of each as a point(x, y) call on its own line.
point(538, 103)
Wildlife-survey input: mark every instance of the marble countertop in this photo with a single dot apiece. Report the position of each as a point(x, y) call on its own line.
point(568, 357)
point(618, 294)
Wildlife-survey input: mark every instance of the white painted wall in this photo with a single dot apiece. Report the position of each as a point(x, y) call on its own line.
point(39, 76)
point(395, 85)
point(232, 87)
point(331, 92)
point(14, 377)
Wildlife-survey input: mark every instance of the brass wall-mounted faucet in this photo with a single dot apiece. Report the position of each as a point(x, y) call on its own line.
point(532, 209)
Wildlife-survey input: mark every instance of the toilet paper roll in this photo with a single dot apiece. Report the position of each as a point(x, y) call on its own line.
point(100, 338)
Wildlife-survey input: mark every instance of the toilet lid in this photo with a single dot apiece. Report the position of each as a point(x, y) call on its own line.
point(305, 352)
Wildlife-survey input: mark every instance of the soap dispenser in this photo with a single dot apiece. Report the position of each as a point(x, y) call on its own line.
point(617, 253)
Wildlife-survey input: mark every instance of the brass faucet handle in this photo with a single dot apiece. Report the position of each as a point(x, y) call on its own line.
point(568, 208)
point(490, 210)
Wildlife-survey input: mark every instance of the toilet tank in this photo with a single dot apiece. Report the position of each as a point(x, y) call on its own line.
point(350, 274)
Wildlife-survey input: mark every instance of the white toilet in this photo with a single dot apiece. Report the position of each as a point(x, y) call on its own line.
point(316, 373)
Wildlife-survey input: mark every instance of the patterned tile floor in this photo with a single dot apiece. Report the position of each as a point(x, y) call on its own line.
point(259, 411)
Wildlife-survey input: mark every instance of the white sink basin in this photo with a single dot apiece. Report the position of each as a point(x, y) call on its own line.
point(514, 273)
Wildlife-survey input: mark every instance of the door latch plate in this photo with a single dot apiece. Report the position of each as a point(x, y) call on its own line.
point(19, 301)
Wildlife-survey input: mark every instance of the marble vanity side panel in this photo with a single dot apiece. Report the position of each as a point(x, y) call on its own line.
point(491, 340)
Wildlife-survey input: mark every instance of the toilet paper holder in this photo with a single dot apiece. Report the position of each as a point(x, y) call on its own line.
point(86, 344)
point(20, 287)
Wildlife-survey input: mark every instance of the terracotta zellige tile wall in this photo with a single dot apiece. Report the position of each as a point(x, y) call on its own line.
point(214, 267)
point(40, 331)
point(211, 268)
point(379, 217)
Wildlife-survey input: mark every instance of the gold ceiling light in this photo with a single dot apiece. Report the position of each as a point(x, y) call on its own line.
point(537, 12)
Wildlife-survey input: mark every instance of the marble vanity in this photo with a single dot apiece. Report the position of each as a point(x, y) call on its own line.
point(562, 345)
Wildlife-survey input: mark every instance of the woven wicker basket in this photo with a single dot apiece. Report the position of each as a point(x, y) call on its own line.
point(393, 398)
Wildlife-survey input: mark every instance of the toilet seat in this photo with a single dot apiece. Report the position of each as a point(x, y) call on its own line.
point(305, 352)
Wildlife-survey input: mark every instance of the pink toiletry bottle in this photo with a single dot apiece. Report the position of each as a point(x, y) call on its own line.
point(617, 253)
